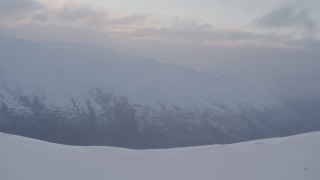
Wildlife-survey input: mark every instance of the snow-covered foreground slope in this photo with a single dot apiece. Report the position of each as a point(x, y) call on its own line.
point(288, 158)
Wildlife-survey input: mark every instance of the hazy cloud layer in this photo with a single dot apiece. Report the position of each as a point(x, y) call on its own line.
point(13, 7)
point(287, 16)
point(151, 28)
point(286, 38)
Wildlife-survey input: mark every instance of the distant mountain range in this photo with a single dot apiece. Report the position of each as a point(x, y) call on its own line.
point(79, 94)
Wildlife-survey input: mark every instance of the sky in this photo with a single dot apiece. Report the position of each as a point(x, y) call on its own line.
point(273, 43)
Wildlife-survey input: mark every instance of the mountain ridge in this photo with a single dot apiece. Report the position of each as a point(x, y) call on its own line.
point(95, 91)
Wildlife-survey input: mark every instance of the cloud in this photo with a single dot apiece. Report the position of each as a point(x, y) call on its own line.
point(12, 7)
point(287, 16)
point(80, 13)
point(83, 15)
point(135, 28)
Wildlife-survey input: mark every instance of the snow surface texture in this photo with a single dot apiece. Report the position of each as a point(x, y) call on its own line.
point(288, 158)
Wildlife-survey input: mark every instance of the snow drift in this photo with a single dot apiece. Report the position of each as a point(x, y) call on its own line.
point(288, 158)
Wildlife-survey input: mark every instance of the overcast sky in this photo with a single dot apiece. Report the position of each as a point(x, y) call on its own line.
point(272, 42)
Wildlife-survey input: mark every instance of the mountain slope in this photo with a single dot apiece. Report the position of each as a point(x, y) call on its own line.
point(289, 158)
point(85, 91)
point(63, 68)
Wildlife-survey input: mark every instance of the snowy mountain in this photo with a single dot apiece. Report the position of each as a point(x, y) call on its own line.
point(288, 158)
point(68, 84)
point(62, 70)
